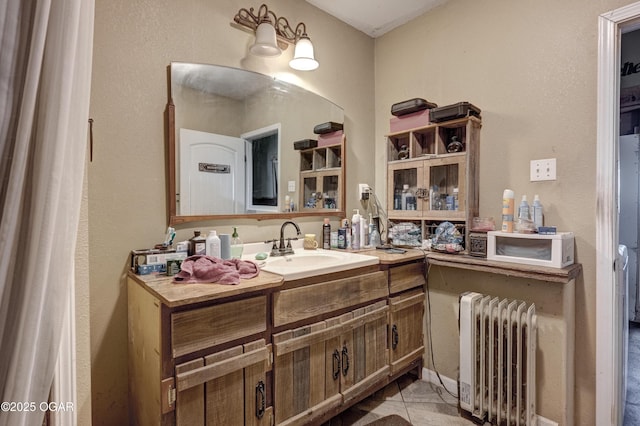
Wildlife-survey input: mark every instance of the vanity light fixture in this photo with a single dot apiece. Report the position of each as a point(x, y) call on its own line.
point(274, 34)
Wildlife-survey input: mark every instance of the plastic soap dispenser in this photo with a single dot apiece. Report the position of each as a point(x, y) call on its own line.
point(236, 244)
point(355, 230)
point(213, 244)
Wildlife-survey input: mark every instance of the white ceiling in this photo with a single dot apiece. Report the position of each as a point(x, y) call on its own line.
point(376, 17)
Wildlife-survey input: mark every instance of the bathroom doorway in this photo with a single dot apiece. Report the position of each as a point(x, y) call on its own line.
point(263, 168)
point(609, 337)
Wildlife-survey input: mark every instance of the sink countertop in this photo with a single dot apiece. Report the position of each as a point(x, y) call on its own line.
point(177, 294)
point(393, 258)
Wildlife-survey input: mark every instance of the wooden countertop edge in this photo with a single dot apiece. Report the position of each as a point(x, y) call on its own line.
point(175, 294)
point(462, 261)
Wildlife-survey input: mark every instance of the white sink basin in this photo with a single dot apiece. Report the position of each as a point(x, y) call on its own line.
point(307, 263)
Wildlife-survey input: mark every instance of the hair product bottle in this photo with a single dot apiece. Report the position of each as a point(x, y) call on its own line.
point(507, 210)
point(326, 234)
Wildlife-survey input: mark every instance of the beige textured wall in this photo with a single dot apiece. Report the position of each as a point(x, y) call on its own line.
point(531, 68)
point(134, 42)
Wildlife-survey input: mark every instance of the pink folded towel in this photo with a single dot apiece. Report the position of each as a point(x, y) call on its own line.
point(207, 269)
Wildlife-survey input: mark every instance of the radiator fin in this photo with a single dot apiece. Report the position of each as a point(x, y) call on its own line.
point(497, 359)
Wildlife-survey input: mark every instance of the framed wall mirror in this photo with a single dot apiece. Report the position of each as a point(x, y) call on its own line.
point(231, 135)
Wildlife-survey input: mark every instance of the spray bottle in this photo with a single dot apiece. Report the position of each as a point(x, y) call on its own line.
point(355, 230)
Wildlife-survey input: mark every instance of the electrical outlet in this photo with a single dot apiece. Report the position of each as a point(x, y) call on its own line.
point(543, 169)
point(292, 186)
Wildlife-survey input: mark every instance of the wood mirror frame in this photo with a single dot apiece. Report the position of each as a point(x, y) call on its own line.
point(175, 219)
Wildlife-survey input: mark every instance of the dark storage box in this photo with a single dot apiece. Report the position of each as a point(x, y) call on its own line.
point(410, 106)
point(450, 112)
point(478, 243)
point(305, 144)
point(327, 127)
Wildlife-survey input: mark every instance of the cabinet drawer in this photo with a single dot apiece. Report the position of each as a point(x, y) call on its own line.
point(312, 300)
point(205, 327)
point(406, 276)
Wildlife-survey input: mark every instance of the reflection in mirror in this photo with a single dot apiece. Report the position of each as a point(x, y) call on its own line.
point(231, 141)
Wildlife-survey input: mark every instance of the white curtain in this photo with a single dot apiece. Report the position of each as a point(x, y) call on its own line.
point(45, 78)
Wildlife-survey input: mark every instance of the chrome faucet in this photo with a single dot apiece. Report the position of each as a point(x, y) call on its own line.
point(282, 249)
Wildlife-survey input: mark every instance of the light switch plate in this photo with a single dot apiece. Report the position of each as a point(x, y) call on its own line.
point(543, 169)
point(292, 186)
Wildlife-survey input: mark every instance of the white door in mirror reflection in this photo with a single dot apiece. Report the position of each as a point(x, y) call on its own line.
point(215, 181)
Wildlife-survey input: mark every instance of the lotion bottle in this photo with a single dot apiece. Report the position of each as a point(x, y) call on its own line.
point(355, 230)
point(523, 209)
point(213, 244)
point(507, 210)
point(537, 215)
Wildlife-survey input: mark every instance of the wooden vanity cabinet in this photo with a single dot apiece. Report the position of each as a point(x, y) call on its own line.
point(198, 363)
point(272, 352)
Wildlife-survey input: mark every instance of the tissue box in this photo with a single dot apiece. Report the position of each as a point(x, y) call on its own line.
point(555, 251)
point(409, 121)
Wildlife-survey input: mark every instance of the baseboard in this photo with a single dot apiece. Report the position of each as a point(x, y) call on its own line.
point(431, 377)
point(451, 384)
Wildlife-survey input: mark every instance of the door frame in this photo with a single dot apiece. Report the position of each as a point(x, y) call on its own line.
point(610, 27)
point(249, 137)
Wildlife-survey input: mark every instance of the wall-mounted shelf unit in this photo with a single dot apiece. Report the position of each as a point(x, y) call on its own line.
point(322, 171)
point(432, 174)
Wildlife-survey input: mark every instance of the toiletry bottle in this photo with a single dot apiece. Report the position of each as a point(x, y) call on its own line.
point(456, 201)
point(225, 246)
point(374, 236)
point(405, 194)
point(537, 214)
point(355, 230)
point(326, 234)
point(397, 199)
point(523, 209)
point(287, 203)
point(507, 210)
point(347, 233)
point(236, 244)
point(197, 244)
point(364, 232)
point(213, 244)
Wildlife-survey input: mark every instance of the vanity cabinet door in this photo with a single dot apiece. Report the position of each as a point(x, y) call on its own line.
point(302, 391)
point(225, 388)
point(320, 366)
point(363, 350)
point(406, 341)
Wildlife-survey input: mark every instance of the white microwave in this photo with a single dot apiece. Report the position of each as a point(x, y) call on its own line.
point(555, 251)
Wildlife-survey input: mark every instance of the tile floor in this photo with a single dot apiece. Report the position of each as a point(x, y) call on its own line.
point(420, 402)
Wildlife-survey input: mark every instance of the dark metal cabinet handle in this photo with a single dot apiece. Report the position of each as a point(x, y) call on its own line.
point(394, 336)
point(336, 364)
point(345, 360)
point(261, 400)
